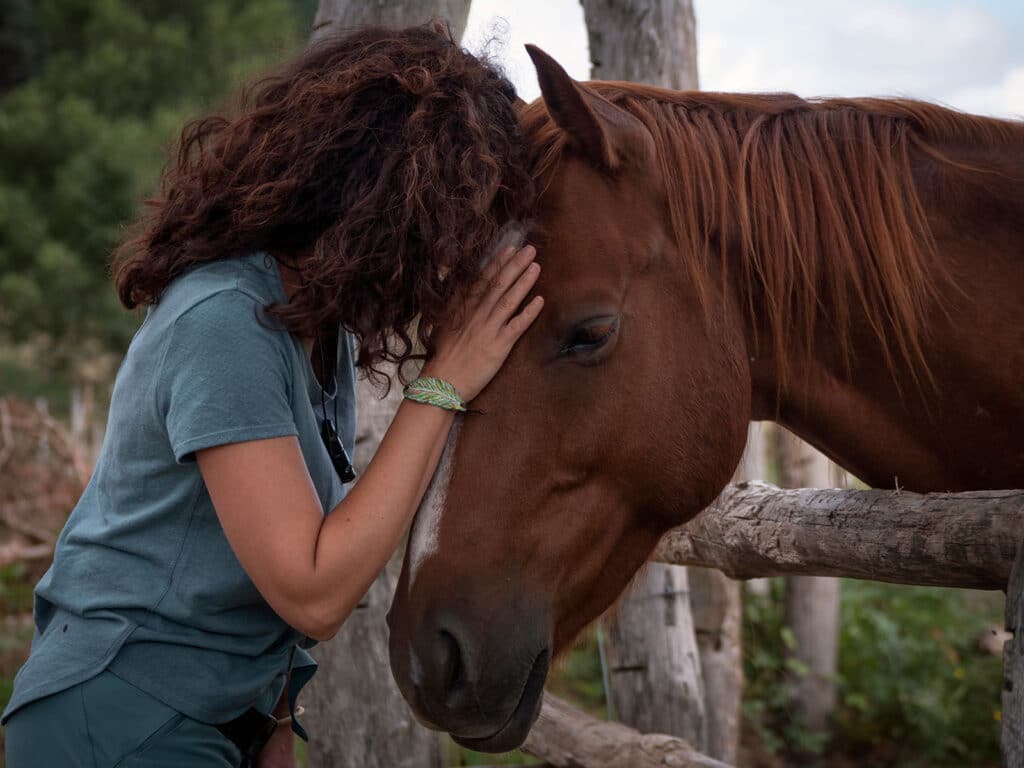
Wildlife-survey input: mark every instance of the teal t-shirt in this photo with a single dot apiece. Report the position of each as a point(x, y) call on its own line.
point(143, 580)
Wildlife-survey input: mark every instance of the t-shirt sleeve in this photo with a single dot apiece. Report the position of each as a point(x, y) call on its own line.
point(225, 376)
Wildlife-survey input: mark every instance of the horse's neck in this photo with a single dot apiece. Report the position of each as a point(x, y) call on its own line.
point(892, 429)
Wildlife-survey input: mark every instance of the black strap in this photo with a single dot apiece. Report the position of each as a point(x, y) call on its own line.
point(327, 352)
point(250, 732)
point(328, 355)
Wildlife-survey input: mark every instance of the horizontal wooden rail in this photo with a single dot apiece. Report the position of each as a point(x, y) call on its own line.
point(753, 530)
point(568, 738)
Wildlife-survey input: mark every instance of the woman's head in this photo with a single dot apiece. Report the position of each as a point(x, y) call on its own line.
point(382, 161)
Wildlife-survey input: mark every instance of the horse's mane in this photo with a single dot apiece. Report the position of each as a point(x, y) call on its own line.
point(816, 199)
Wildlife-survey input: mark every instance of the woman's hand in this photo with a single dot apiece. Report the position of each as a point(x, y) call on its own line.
point(468, 356)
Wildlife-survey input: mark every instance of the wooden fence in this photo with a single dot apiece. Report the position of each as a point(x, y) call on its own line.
point(967, 540)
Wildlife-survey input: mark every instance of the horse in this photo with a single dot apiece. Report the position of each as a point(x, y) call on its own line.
point(852, 269)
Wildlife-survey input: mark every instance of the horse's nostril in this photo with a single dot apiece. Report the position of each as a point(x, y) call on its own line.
point(442, 674)
point(453, 669)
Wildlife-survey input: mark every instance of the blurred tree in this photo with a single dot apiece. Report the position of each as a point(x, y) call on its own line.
point(18, 41)
point(83, 139)
point(333, 14)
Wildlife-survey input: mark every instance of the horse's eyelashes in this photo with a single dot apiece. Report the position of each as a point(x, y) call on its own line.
point(589, 336)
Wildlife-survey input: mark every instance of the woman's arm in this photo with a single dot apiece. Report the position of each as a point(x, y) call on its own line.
point(312, 569)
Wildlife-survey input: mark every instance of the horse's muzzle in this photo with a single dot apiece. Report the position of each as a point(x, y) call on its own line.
point(483, 685)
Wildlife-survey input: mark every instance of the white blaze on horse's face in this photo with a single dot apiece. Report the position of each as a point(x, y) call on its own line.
point(423, 540)
point(426, 528)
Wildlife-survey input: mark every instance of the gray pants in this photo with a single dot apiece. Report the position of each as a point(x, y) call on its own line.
point(108, 723)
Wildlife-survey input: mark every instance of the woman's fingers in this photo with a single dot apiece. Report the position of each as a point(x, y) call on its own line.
point(507, 277)
point(480, 292)
point(517, 326)
point(514, 296)
point(496, 264)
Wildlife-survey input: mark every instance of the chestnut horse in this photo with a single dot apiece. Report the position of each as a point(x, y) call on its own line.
point(852, 269)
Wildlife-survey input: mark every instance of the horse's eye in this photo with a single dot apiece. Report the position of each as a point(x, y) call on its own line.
point(590, 336)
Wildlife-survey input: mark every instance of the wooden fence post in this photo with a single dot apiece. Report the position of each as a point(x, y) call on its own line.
point(652, 651)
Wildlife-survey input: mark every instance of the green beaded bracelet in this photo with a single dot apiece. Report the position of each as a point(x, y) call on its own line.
point(431, 391)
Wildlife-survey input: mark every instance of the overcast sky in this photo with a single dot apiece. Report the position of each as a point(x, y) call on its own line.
point(969, 55)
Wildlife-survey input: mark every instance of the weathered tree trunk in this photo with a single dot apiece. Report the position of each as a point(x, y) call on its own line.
point(717, 616)
point(643, 41)
point(357, 715)
point(655, 676)
point(339, 14)
point(812, 602)
point(568, 738)
point(655, 664)
point(966, 540)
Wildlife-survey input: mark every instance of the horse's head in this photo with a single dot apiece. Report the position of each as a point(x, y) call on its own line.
point(620, 414)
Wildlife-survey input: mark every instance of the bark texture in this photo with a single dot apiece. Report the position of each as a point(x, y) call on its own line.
point(643, 41)
point(339, 14)
point(567, 738)
point(966, 540)
point(653, 663)
point(812, 602)
point(717, 617)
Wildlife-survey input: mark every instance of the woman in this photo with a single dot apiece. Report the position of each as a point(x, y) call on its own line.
point(357, 192)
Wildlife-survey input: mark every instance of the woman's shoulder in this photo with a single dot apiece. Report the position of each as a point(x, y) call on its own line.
point(222, 286)
point(218, 309)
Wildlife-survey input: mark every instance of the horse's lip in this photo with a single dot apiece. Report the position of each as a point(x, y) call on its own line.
point(517, 727)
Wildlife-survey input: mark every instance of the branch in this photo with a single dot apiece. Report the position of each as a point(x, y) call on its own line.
point(567, 738)
point(14, 553)
point(966, 540)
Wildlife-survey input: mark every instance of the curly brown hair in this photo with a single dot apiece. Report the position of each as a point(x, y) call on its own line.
point(383, 162)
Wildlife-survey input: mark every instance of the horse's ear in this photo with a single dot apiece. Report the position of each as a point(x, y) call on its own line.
point(601, 130)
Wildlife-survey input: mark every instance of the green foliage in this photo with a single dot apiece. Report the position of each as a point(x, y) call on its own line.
point(911, 674)
point(914, 689)
point(767, 700)
point(576, 676)
point(15, 590)
point(83, 141)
